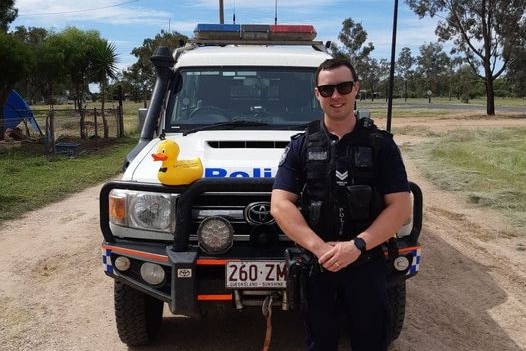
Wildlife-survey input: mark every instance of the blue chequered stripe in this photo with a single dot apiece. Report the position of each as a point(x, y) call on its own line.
point(106, 260)
point(415, 265)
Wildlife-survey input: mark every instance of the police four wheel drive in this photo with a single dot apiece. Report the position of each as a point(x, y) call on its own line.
point(189, 224)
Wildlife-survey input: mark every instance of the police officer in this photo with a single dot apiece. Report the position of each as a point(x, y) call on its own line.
point(341, 191)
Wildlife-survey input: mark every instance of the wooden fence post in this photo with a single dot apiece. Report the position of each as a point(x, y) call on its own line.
point(95, 121)
point(50, 132)
point(120, 115)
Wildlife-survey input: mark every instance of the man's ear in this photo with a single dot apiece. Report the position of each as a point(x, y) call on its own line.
point(357, 85)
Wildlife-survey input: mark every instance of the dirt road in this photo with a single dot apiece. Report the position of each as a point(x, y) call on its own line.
point(469, 295)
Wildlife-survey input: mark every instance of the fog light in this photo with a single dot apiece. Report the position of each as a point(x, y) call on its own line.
point(215, 235)
point(401, 263)
point(152, 273)
point(122, 263)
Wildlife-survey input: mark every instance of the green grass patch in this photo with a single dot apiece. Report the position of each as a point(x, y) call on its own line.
point(488, 166)
point(29, 179)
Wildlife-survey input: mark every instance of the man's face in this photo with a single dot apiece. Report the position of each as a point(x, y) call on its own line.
point(337, 106)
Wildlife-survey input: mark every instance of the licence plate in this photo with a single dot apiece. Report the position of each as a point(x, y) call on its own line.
point(255, 274)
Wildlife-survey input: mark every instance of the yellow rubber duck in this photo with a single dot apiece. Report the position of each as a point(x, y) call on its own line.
point(173, 171)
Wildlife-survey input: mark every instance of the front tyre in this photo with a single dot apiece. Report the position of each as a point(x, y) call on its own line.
point(137, 314)
point(397, 298)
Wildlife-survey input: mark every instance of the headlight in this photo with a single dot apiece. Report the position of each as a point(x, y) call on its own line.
point(143, 210)
point(215, 235)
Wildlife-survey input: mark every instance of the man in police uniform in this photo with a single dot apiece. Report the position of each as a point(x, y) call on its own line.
point(341, 191)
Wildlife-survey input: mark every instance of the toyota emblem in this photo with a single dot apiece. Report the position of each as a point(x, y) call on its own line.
point(258, 213)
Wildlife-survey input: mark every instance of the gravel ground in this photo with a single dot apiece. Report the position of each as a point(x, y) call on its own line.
point(469, 295)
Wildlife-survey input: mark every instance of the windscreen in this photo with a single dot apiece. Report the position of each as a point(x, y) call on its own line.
point(276, 97)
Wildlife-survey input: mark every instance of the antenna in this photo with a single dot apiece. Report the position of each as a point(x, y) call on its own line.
point(234, 14)
point(221, 12)
point(276, 12)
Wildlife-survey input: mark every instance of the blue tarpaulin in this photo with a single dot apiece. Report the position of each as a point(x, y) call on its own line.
point(16, 110)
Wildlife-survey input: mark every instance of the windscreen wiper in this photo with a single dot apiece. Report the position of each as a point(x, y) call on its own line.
point(226, 125)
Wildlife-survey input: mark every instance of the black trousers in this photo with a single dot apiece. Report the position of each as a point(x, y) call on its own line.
point(361, 294)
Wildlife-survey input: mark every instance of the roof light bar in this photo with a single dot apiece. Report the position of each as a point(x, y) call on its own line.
point(254, 32)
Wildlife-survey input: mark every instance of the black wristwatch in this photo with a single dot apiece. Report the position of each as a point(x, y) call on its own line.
point(360, 244)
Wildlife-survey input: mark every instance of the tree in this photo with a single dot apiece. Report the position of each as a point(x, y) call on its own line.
point(78, 49)
point(51, 73)
point(353, 37)
point(104, 66)
point(404, 66)
point(8, 14)
point(466, 83)
point(485, 31)
point(143, 69)
point(516, 74)
point(15, 62)
point(433, 65)
point(35, 83)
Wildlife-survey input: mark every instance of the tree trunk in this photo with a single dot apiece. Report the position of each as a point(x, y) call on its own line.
point(490, 95)
point(103, 102)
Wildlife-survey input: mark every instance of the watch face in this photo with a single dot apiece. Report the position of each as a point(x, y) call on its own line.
point(360, 244)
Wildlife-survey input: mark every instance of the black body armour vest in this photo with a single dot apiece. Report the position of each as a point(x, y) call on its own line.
point(339, 199)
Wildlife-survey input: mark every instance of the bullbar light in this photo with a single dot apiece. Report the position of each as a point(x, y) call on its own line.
point(122, 263)
point(215, 235)
point(152, 273)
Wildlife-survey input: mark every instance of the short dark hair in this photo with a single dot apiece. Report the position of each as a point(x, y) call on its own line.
point(335, 63)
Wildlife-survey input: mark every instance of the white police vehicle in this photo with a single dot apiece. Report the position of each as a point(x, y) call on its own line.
point(232, 96)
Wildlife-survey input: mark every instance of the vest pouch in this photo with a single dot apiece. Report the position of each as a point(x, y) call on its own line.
point(359, 201)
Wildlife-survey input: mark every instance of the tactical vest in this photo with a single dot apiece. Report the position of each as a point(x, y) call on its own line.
point(333, 211)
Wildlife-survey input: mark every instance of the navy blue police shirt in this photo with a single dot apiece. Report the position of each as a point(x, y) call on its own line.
point(392, 174)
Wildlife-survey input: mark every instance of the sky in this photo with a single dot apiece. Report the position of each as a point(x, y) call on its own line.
point(128, 23)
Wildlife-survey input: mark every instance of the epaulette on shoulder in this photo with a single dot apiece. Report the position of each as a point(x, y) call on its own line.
point(296, 136)
point(367, 122)
point(385, 133)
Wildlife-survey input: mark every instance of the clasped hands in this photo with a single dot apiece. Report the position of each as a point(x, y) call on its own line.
point(338, 255)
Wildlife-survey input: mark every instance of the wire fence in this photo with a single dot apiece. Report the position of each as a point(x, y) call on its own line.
point(65, 130)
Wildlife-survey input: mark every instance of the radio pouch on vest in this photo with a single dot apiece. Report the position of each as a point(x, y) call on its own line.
point(359, 198)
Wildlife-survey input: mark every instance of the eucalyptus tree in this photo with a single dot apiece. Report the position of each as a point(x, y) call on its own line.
point(50, 67)
point(15, 63)
point(143, 68)
point(8, 14)
point(486, 32)
point(76, 47)
point(34, 83)
point(404, 68)
point(433, 66)
point(353, 46)
point(466, 85)
point(103, 66)
point(516, 73)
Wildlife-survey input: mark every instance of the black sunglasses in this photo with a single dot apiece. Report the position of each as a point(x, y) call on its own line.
point(343, 88)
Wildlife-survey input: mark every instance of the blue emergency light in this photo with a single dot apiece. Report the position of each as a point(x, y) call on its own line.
point(254, 32)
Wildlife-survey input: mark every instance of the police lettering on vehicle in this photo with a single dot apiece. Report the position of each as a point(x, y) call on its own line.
point(245, 173)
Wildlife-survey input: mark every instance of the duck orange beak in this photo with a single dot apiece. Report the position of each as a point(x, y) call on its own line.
point(159, 157)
